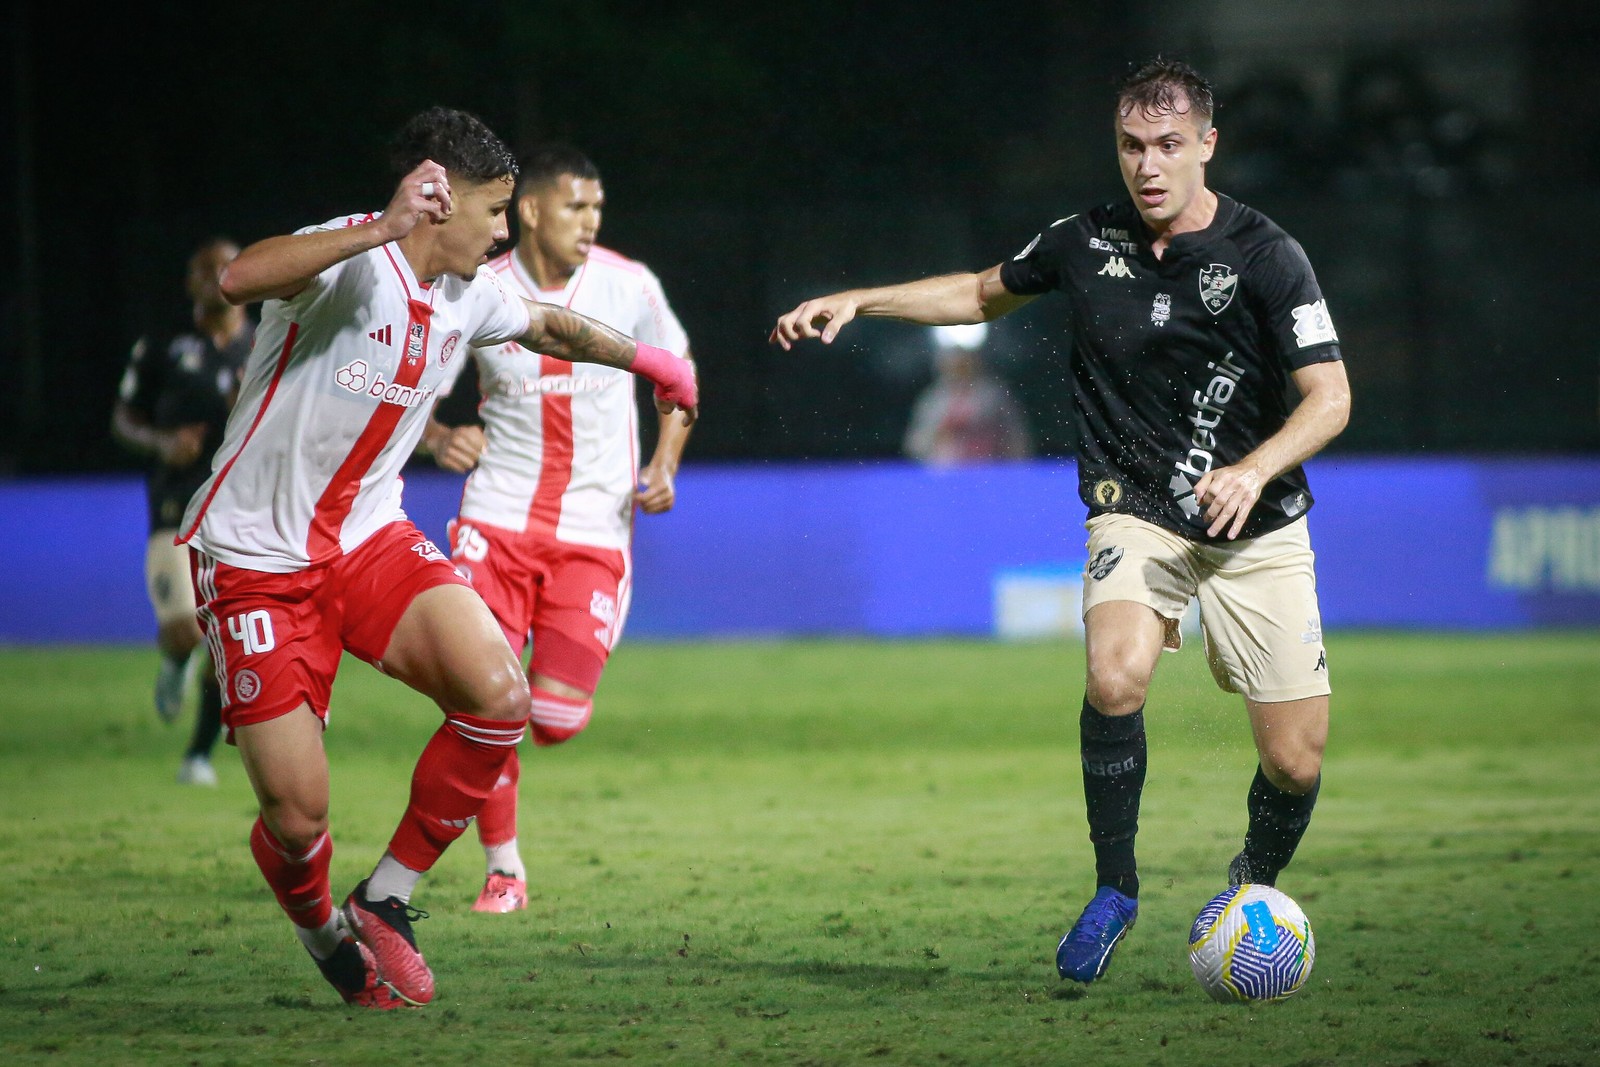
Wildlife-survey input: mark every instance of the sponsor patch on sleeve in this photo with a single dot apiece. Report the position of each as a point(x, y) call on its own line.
point(1312, 324)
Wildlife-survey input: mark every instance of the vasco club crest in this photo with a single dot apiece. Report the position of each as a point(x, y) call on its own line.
point(1218, 283)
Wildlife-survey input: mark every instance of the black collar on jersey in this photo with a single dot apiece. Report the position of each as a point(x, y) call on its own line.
point(1188, 244)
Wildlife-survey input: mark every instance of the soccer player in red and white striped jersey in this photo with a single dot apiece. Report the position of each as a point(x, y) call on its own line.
point(301, 551)
point(546, 520)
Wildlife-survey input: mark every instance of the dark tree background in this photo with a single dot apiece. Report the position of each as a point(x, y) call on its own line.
point(757, 154)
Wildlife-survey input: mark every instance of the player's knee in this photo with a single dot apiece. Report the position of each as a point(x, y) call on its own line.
point(506, 699)
point(296, 827)
point(1115, 689)
point(1294, 768)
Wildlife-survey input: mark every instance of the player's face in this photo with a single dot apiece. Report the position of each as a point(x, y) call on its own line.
point(205, 274)
point(1163, 155)
point(477, 224)
point(563, 217)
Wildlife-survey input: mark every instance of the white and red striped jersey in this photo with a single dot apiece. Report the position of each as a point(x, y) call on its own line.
point(336, 394)
point(563, 438)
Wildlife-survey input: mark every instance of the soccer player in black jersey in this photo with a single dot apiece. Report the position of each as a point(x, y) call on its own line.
point(1194, 318)
point(172, 405)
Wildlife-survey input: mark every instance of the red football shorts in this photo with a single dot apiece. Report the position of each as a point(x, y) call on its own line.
point(570, 600)
point(276, 639)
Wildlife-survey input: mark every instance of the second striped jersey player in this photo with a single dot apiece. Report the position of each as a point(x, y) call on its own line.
point(546, 521)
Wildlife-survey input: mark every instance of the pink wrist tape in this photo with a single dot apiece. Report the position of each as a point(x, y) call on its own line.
point(673, 377)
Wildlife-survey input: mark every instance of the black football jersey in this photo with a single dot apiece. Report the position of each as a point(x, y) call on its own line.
point(1183, 363)
point(188, 381)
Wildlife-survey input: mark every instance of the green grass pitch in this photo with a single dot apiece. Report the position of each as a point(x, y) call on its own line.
point(829, 852)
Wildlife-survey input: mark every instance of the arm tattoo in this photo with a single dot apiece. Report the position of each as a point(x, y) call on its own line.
point(565, 334)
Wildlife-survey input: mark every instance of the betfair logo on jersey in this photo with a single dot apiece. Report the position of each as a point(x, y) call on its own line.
point(1116, 268)
point(354, 375)
point(1218, 283)
point(1209, 407)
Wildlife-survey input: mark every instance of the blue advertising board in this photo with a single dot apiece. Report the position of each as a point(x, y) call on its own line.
point(894, 550)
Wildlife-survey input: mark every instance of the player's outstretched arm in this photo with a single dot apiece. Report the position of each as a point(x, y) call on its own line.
point(1230, 493)
point(279, 267)
point(565, 334)
point(943, 300)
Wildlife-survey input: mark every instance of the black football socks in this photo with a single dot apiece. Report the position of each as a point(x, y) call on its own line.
point(1278, 821)
point(1113, 751)
point(208, 721)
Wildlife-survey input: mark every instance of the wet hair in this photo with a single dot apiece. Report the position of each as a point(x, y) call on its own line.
point(1166, 85)
point(457, 141)
point(550, 161)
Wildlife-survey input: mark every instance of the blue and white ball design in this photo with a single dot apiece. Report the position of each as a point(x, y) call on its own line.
point(1251, 943)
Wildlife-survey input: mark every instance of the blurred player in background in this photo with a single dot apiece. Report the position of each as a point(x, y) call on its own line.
point(1192, 315)
point(301, 550)
point(172, 405)
point(966, 414)
point(546, 524)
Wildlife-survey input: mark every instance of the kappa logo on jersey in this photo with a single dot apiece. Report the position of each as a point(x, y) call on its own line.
point(1161, 310)
point(384, 335)
point(1105, 561)
point(353, 376)
point(1313, 325)
point(1107, 492)
point(1218, 283)
point(1116, 267)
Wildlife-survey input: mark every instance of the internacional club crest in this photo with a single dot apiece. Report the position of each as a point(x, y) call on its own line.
point(1218, 283)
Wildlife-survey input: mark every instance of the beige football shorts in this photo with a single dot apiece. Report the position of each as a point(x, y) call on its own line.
point(166, 578)
point(1258, 600)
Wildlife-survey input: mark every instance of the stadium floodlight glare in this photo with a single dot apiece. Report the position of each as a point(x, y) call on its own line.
point(968, 336)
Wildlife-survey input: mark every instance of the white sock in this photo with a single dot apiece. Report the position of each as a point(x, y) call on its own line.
point(391, 878)
point(322, 940)
point(505, 859)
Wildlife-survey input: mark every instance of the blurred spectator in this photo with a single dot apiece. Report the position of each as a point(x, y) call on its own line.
point(1398, 133)
point(1275, 136)
point(172, 406)
point(966, 415)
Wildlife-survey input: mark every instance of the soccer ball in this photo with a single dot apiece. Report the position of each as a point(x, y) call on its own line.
point(1251, 943)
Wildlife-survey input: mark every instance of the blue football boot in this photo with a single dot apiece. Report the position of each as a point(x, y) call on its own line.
point(1085, 952)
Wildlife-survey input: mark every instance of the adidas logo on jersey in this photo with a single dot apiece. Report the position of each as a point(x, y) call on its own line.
point(1116, 268)
point(383, 336)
